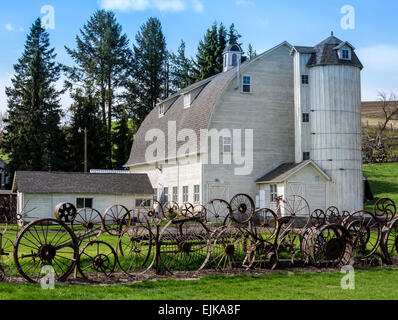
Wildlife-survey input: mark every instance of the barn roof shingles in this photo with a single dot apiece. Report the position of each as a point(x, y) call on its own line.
point(59, 182)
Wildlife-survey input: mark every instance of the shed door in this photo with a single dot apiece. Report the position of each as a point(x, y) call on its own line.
point(295, 189)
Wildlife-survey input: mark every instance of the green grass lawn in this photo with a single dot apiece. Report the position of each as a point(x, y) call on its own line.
point(372, 284)
point(383, 179)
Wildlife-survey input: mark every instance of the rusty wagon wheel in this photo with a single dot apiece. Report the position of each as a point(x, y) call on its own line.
point(6, 250)
point(87, 225)
point(116, 220)
point(187, 210)
point(171, 210)
point(45, 242)
point(218, 212)
point(182, 246)
point(135, 247)
point(230, 248)
point(385, 209)
point(261, 255)
point(242, 208)
point(65, 212)
point(318, 218)
point(290, 247)
point(265, 224)
point(97, 258)
point(389, 243)
point(333, 215)
point(366, 233)
point(331, 246)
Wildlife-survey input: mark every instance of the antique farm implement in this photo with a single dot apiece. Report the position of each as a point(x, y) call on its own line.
point(221, 235)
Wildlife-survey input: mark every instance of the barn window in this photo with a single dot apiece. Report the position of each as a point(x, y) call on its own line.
point(185, 194)
point(175, 194)
point(306, 156)
point(227, 145)
point(84, 203)
point(247, 84)
point(306, 117)
point(155, 194)
point(161, 110)
point(196, 195)
point(305, 79)
point(165, 195)
point(273, 192)
point(187, 100)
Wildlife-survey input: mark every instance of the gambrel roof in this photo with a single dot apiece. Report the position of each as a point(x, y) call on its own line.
point(326, 53)
point(197, 117)
point(81, 183)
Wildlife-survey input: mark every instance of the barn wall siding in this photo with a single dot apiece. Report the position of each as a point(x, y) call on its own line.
point(37, 206)
point(269, 111)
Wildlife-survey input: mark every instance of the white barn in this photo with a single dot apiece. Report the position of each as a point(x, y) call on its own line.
point(38, 193)
point(303, 105)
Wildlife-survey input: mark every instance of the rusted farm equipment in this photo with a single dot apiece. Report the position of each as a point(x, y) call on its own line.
point(219, 235)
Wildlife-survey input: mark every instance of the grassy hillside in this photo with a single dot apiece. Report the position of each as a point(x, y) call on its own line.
point(383, 180)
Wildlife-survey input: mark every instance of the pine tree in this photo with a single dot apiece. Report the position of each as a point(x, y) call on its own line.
point(181, 69)
point(122, 141)
point(150, 54)
point(104, 62)
point(209, 59)
point(32, 134)
point(86, 115)
point(233, 35)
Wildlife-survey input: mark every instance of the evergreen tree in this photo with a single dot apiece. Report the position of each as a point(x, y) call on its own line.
point(86, 115)
point(233, 35)
point(32, 134)
point(209, 59)
point(150, 55)
point(103, 59)
point(181, 69)
point(122, 141)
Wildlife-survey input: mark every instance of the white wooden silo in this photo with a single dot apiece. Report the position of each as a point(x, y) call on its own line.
point(335, 99)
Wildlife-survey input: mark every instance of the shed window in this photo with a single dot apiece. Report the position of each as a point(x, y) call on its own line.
point(165, 195)
point(155, 194)
point(84, 203)
point(305, 79)
point(161, 110)
point(187, 100)
point(143, 203)
point(273, 192)
point(247, 84)
point(234, 60)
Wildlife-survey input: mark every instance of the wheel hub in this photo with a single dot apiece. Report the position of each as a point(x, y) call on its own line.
point(333, 249)
point(47, 252)
point(184, 247)
point(242, 208)
point(230, 249)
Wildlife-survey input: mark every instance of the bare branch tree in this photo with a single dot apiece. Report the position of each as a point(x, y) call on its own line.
point(389, 106)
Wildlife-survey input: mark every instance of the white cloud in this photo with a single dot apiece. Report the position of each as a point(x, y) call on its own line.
point(197, 5)
point(9, 27)
point(142, 5)
point(380, 71)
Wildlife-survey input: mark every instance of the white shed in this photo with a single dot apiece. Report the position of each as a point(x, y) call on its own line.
point(38, 193)
point(305, 179)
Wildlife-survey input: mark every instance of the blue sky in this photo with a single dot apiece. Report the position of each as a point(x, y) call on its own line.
point(262, 23)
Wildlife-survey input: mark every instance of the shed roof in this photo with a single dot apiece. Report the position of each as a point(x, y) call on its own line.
point(60, 182)
point(286, 170)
